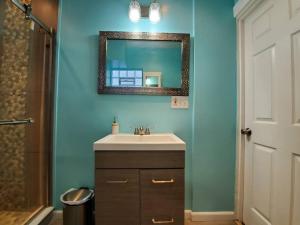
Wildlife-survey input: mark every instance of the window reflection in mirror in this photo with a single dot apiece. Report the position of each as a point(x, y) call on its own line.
point(152, 79)
point(143, 63)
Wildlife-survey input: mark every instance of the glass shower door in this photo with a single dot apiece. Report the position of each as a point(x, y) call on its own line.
point(24, 117)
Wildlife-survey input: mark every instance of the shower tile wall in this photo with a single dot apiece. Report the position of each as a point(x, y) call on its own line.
point(14, 70)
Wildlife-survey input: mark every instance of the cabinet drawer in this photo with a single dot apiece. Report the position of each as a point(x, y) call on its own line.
point(117, 197)
point(139, 159)
point(162, 196)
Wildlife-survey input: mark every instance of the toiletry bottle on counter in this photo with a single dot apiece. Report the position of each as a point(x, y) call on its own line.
point(115, 127)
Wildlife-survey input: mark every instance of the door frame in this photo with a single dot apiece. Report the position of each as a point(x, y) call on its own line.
point(241, 10)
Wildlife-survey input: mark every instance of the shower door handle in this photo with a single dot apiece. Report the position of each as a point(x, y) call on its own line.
point(16, 122)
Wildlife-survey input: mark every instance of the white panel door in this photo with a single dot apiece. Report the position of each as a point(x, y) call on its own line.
point(272, 112)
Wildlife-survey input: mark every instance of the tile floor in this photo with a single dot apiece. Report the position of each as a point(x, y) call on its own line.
point(58, 221)
point(13, 218)
point(209, 223)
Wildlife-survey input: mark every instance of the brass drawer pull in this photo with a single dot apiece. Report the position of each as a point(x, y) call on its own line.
point(117, 181)
point(154, 221)
point(163, 181)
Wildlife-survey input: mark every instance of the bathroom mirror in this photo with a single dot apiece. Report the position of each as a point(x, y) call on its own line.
point(144, 63)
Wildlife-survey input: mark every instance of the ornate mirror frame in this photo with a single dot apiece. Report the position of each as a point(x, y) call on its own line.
point(185, 63)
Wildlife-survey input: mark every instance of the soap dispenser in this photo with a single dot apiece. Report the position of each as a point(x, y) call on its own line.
point(115, 127)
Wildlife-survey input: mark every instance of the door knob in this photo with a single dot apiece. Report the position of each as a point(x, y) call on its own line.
point(246, 131)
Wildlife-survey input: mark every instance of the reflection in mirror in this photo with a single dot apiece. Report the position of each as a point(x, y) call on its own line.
point(143, 63)
point(152, 79)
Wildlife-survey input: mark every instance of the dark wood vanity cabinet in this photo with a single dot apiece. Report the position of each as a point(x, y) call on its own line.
point(131, 193)
point(162, 196)
point(117, 196)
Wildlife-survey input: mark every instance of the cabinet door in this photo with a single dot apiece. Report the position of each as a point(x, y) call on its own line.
point(162, 196)
point(117, 197)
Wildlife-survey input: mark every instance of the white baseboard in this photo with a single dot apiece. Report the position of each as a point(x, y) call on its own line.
point(209, 216)
point(188, 214)
point(58, 212)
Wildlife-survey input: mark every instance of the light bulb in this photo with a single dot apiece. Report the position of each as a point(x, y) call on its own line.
point(134, 11)
point(154, 12)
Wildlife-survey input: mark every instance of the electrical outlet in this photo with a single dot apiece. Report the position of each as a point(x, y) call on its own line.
point(180, 102)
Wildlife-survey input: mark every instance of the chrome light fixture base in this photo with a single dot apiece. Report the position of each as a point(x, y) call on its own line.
point(136, 11)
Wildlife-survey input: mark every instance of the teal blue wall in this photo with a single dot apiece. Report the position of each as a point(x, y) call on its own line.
point(214, 106)
point(82, 116)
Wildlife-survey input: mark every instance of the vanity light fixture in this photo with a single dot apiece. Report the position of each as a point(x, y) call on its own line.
point(134, 11)
point(154, 12)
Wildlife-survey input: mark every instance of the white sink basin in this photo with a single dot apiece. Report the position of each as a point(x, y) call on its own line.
point(161, 142)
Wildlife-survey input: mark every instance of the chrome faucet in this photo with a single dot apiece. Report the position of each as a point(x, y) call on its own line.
point(141, 131)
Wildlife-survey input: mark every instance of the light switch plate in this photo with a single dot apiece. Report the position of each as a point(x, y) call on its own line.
point(180, 102)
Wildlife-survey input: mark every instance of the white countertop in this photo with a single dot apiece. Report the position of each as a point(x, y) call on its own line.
point(130, 142)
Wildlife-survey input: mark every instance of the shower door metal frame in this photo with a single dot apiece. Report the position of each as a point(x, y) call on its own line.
point(47, 66)
point(27, 10)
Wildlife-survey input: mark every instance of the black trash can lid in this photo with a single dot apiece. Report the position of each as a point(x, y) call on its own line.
point(76, 196)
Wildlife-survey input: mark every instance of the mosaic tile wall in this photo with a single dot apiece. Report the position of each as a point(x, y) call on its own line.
point(14, 69)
